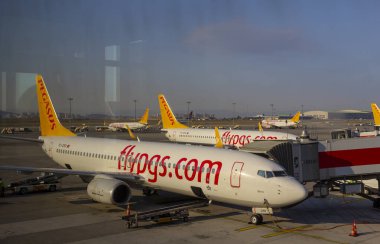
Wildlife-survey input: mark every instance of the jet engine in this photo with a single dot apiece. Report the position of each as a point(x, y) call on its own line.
point(106, 189)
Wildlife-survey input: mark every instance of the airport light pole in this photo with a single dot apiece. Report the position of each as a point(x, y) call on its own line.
point(188, 113)
point(233, 118)
point(135, 101)
point(302, 115)
point(272, 109)
point(70, 100)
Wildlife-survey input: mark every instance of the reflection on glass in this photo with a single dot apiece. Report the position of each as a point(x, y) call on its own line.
point(112, 84)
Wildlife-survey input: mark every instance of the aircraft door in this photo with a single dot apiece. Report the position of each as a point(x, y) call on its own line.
point(174, 136)
point(236, 174)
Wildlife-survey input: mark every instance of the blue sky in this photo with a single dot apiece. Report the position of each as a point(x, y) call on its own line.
point(322, 54)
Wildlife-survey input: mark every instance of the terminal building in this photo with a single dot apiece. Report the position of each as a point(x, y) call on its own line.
point(341, 114)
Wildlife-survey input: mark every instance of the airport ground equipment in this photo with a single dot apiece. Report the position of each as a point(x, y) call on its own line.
point(165, 214)
point(344, 162)
point(48, 182)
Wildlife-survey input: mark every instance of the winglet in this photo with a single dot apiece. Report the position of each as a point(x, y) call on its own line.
point(219, 143)
point(169, 121)
point(144, 118)
point(130, 132)
point(49, 122)
point(296, 117)
point(376, 114)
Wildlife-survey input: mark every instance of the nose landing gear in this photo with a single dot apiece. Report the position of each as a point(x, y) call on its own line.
point(256, 219)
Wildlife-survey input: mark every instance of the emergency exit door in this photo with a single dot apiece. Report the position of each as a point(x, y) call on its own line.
point(236, 174)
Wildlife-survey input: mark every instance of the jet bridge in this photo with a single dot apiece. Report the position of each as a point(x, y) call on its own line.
point(340, 162)
point(299, 158)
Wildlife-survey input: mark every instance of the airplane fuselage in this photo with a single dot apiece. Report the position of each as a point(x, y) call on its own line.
point(235, 138)
point(278, 123)
point(123, 125)
point(221, 175)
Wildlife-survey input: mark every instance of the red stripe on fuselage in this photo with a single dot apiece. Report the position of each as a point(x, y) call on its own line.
point(347, 158)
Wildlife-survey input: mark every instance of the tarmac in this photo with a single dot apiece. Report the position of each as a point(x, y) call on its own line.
point(70, 216)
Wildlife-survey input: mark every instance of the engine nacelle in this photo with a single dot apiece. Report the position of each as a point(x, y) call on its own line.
point(106, 189)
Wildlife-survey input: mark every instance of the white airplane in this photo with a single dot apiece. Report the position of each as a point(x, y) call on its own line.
point(175, 131)
point(282, 123)
point(376, 118)
point(222, 175)
point(132, 125)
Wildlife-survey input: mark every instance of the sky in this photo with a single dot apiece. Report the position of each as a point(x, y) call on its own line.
point(323, 55)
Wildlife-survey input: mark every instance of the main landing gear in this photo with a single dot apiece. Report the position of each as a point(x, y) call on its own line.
point(147, 191)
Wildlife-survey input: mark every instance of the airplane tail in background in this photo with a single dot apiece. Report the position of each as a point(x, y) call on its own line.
point(168, 119)
point(296, 117)
point(376, 114)
point(49, 122)
point(144, 118)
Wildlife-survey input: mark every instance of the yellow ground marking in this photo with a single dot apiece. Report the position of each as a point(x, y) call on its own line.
point(285, 231)
point(247, 228)
point(280, 231)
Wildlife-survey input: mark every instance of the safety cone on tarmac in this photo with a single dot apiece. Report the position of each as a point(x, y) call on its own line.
point(354, 231)
point(128, 210)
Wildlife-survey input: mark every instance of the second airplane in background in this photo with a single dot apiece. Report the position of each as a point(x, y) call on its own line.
point(132, 125)
point(175, 131)
point(282, 123)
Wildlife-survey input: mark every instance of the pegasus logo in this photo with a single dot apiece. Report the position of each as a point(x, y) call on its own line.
point(160, 166)
point(46, 102)
point(167, 110)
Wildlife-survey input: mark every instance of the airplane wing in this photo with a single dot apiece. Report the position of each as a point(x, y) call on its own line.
point(22, 139)
point(117, 175)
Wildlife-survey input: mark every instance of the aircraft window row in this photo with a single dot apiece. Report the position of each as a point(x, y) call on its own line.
point(87, 154)
point(210, 137)
point(270, 174)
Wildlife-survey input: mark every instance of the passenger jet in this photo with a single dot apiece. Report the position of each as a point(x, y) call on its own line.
point(282, 123)
point(177, 132)
point(112, 165)
point(132, 125)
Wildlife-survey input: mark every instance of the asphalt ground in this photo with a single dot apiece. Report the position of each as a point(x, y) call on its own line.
point(70, 216)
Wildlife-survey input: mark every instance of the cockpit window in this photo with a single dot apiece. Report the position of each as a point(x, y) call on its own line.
point(261, 173)
point(269, 174)
point(279, 173)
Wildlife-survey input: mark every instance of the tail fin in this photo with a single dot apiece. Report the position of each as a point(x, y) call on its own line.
point(296, 117)
point(260, 127)
point(144, 118)
point(168, 119)
point(376, 114)
point(49, 123)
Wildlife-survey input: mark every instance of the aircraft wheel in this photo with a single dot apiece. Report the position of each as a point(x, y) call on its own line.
point(376, 203)
point(23, 191)
point(52, 188)
point(148, 191)
point(256, 219)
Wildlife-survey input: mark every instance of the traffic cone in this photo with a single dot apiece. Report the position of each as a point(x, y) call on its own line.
point(354, 231)
point(128, 211)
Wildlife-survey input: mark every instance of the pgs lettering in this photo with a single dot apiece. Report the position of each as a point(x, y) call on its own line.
point(240, 140)
point(189, 169)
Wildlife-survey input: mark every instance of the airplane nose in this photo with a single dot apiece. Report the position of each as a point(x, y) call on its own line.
point(299, 192)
